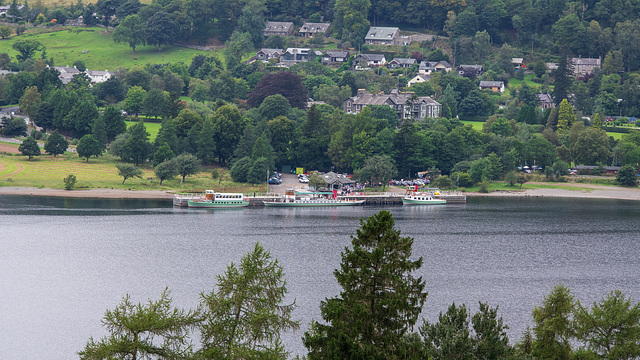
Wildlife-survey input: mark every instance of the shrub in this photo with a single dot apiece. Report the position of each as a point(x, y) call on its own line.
point(484, 186)
point(69, 182)
point(443, 182)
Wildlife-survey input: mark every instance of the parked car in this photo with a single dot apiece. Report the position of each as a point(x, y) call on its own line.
point(275, 181)
point(304, 180)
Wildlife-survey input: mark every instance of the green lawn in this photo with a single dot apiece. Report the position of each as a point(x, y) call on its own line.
point(152, 127)
point(477, 125)
point(100, 173)
point(66, 46)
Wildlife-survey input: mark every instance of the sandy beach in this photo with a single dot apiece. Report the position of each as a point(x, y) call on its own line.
point(586, 191)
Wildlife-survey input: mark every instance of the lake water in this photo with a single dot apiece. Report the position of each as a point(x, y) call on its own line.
point(64, 261)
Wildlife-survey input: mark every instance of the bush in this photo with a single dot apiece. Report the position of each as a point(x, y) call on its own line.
point(215, 174)
point(69, 182)
point(627, 175)
point(484, 186)
point(443, 182)
point(36, 134)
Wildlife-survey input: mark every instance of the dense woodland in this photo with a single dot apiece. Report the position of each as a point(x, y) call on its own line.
point(253, 116)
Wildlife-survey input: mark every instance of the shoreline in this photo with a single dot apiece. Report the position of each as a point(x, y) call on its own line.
point(89, 193)
point(581, 192)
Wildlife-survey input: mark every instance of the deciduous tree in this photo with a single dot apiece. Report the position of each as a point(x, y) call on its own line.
point(29, 147)
point(56, 144)
point(166, 170)
point(128, 171)
point(132, 30)
point(187, 165)
point(88, 146)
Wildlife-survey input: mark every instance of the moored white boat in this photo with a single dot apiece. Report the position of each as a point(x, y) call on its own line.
point(212, 199)
point(421, 198)
point(311, 199)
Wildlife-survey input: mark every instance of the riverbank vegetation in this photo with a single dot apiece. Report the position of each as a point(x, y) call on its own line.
point(253, 116)
point(375, 316)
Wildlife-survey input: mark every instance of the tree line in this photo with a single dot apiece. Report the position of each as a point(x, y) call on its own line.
point(273, 127)
point(373, 317)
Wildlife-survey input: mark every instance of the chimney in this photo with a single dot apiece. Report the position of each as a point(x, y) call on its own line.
point(362, 91)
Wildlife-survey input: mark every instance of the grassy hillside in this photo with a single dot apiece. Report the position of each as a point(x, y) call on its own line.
point(67, 45)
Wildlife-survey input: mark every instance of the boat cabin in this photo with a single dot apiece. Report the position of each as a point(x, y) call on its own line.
point(214, 196)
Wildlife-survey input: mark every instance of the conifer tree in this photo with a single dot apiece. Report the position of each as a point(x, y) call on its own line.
point(244, 316)
point(597, 121)
point(99, 132)
point(379, 302)
point(206, 142)
point(566, 117)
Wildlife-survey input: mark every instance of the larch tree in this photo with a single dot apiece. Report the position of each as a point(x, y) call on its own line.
point(553, 327)
point(143, 331)
point(245, 315)
point(380, 300)
point(611, 328)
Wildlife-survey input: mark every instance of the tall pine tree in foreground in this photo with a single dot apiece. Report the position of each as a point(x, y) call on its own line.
point(380, 300)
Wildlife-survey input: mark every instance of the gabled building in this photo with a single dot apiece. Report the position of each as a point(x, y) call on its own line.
point(584, 66)
point(470, 71)
point(418, 79)
point(378, 35)
point(427, 67)
point(308, 30)
point(98, 76)
point(66, 73)
point(545, 101)
point(335, 57)
point(406, 105)
point(403, 63)
point(296, 55)
point(267, 54)
point(494, 86)
point(367, 61)
point(278, 28)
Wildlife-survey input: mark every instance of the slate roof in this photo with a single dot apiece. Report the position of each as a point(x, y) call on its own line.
point(334, 178)
point(278, 26)
point(586, 61)
point(343, 54)
point(404, 61)
point(382, 33)
point(372, 57)
point(270, 52)
point(314, 27)
point(491, 84)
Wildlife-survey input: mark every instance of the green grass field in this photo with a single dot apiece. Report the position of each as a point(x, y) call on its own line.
point(100, 173)
point(66, 46)
point(152, 127)
point(477, 125)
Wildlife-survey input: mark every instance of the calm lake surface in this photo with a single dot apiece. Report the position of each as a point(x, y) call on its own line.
point(64, 261)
